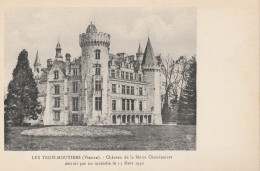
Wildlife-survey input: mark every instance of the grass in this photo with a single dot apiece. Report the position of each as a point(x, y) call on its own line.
point(164, 137)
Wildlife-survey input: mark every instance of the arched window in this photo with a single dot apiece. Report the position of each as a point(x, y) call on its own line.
point(97, 54)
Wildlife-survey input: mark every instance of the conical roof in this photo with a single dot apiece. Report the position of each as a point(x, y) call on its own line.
point(37, 60)
point(149, 58)
point(139, 49)
point(91, 28)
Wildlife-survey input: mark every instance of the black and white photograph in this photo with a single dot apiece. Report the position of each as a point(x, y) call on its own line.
point(129, 85)
point(100, 79)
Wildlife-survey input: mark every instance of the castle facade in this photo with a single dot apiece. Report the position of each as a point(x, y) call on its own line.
point(99, 87)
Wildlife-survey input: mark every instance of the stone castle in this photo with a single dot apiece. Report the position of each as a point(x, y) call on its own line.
point(99, 87)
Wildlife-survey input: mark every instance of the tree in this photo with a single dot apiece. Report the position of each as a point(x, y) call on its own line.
point(167, 68)
point(188, 97)
point(21, 101)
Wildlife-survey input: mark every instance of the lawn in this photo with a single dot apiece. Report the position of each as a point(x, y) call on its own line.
point(163, 137)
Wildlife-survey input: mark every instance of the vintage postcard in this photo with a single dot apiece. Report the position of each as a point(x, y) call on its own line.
point(115, 87)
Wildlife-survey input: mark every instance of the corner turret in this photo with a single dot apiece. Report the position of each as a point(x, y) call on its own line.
point(58, 52)
point(139, 54)
point(37, 66)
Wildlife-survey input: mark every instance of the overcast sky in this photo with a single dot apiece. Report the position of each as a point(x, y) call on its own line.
point(172, 31)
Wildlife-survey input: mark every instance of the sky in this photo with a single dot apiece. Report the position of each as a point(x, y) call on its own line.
point(172, 31)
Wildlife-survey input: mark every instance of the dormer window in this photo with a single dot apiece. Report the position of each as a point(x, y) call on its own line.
point(56, 74)
point(97, 54)
point(75, 71)
point(38, 70)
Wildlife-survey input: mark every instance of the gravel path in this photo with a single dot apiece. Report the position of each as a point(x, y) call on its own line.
point(82, 131)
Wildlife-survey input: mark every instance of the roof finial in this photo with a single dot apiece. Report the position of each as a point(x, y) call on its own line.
point(148, 33)
point(58, 37)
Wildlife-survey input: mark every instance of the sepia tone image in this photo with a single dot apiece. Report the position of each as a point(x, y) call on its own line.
point(100, 79)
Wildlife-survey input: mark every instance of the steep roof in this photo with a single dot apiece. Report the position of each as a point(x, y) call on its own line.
point(149, 58)
point(37, 60)
point(139, 49)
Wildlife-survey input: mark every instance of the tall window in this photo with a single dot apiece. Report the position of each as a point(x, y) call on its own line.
point(123, 104)
point(57, 89)
point(131, 76)
point(140, 105)
point(122, 75)
point(128, 104)
point(132, 105)
point(113, 104)
point(75, 103)
point(127, 75)
point(117, 74)
point(113, 74)
point(56, 115)
point(132, 90)
point(97, 54)
point(98, 66)
point(113, 88)
point(75, 87)
point(139, 77)
point(128, 90)
point(123, 89)
point(140, 91)
point(75, 71)
point(98, 85)
point(56, 102)
point(98, 103)
point(56, 74)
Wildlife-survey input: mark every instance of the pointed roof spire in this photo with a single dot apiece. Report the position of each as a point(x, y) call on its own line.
point(149, 58)
point(37, 60)
point(139, 49)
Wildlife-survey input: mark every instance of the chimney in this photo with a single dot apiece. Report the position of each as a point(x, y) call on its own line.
point(68, 57)
point(49, 63)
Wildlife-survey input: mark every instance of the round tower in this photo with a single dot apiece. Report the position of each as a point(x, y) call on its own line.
point(152, 74)
point(95, 53)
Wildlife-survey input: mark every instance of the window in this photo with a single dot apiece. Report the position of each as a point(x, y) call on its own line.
point(128, 90)
point(56, 74)
point(127, 75)
point(75, 104)
point(113, 88)
point(123, 89)
point(56, 102)
point(131, 76)
point(75, 118)
point(56, 116)
point(139, 77)
point(98, 85)
point(128, 104)
point(98, 66)
point(75, 87)
point(132, 90)
point(117, 74)
point(140, 91)
point(113, 73)
point(140, 105)
point(98, 103)
point(122, 74)
point(113, 104)
point(97, 54)
point(75, 71)
point(57, 89)
point(123, 104)
point(132, 105)
point(38, 70)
